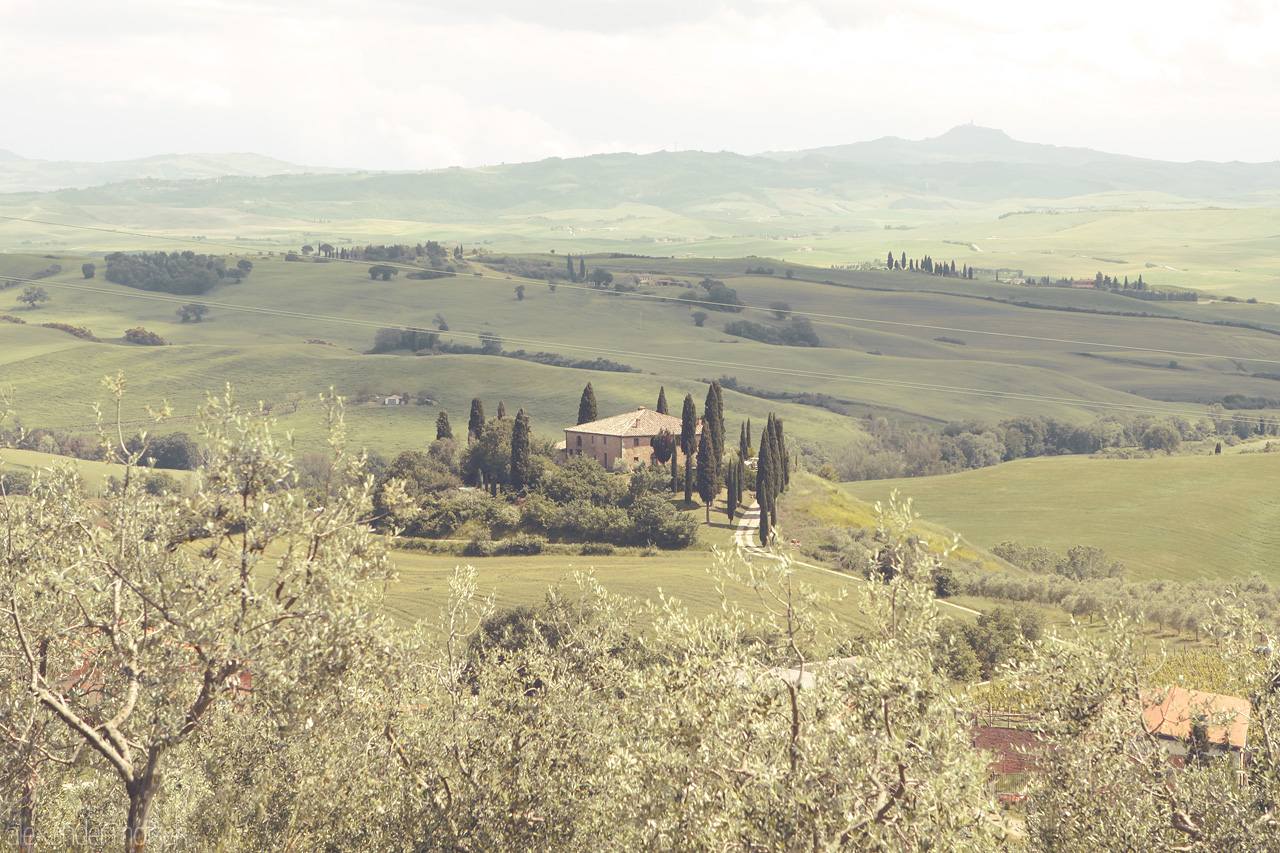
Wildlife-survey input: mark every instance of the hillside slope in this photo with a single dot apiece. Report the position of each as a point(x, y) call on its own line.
point(1172, 517)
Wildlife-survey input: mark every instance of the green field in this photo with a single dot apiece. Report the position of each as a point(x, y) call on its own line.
point(879, 352)
point(1177, 517)
point(422, 586)
point(94, 474)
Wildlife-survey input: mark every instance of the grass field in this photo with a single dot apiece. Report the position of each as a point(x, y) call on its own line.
point(1177, 517)
point(94, 474)
point(422, 587)
point(880, 352)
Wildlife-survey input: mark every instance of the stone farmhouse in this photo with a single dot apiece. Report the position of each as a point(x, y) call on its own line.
point(628, 436)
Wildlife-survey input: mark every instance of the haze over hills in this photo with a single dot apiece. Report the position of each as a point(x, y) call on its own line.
point(1185, 225)
point(966, 165)
point(21, 174)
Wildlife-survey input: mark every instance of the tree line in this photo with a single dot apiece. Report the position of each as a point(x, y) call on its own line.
point(1095, 594)
point(889, 451)
point(927, 265)
point(425, 341)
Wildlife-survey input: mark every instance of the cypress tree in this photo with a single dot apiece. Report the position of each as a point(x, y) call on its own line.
point(743, 447)
point(708, 487)
point(731, 490)
point(713, 420)
point(664, 448)
point(520, 459)
point(587, 405)
point(889, 261)
point(688, 442)
point(781, 459)
point(764, 481)
point(476, 422)
point(502, 410)
point(582, 269)
point(662, 401)
point(443, 429)
point(748, 434)
point(741, 478)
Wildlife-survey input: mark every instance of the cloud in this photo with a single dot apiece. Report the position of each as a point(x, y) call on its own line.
point(398, 84)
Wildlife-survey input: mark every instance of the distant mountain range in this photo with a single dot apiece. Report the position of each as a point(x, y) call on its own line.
point(967, 166)
point(20, 174)
point(966, 143)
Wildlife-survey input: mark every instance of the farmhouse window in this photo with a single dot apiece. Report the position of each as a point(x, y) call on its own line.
point(579, 441)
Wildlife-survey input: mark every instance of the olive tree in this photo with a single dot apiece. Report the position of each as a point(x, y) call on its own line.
point(594, 723)
point(1105, 779)
point(138, 622)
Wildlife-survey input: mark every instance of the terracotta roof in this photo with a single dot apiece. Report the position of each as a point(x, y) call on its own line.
point(1015, 750)
point(1180, 708)
point(640, 422)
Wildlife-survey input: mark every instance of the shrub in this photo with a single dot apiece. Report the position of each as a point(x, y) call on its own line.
point(9, 318)
point(523, 545)
point(139, 335)
point(597, 549)
point(78, 331)
point(162, 483)
point(15, 483)
point(480, 548)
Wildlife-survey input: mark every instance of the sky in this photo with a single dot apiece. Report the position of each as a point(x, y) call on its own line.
point(419, 84)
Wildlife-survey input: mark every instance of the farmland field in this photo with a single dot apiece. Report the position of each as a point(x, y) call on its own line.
point(1176, 518)
point(909, 347)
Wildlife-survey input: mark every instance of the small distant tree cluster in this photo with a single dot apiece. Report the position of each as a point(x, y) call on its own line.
point(192, 312)
point(928, 266)
point(382, 271)
point(716, 296)
point(414, 340)
point(798, 333)
point(177, 451)
point(176, 272)
point(47, 272)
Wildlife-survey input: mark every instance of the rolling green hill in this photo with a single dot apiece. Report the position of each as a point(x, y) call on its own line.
point(1203, 225)
point(1177, 517)
point(889, 346)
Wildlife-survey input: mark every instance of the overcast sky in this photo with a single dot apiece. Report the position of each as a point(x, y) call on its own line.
point(413, 84)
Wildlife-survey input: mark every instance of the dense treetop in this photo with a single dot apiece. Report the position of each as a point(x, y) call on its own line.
point(178, 272)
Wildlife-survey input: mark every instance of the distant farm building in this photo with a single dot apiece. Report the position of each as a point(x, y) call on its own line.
point(628, 437)
point(1181, 719)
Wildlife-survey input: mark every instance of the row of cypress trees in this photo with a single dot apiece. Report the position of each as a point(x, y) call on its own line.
point(773, 475)
point(521, 433)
